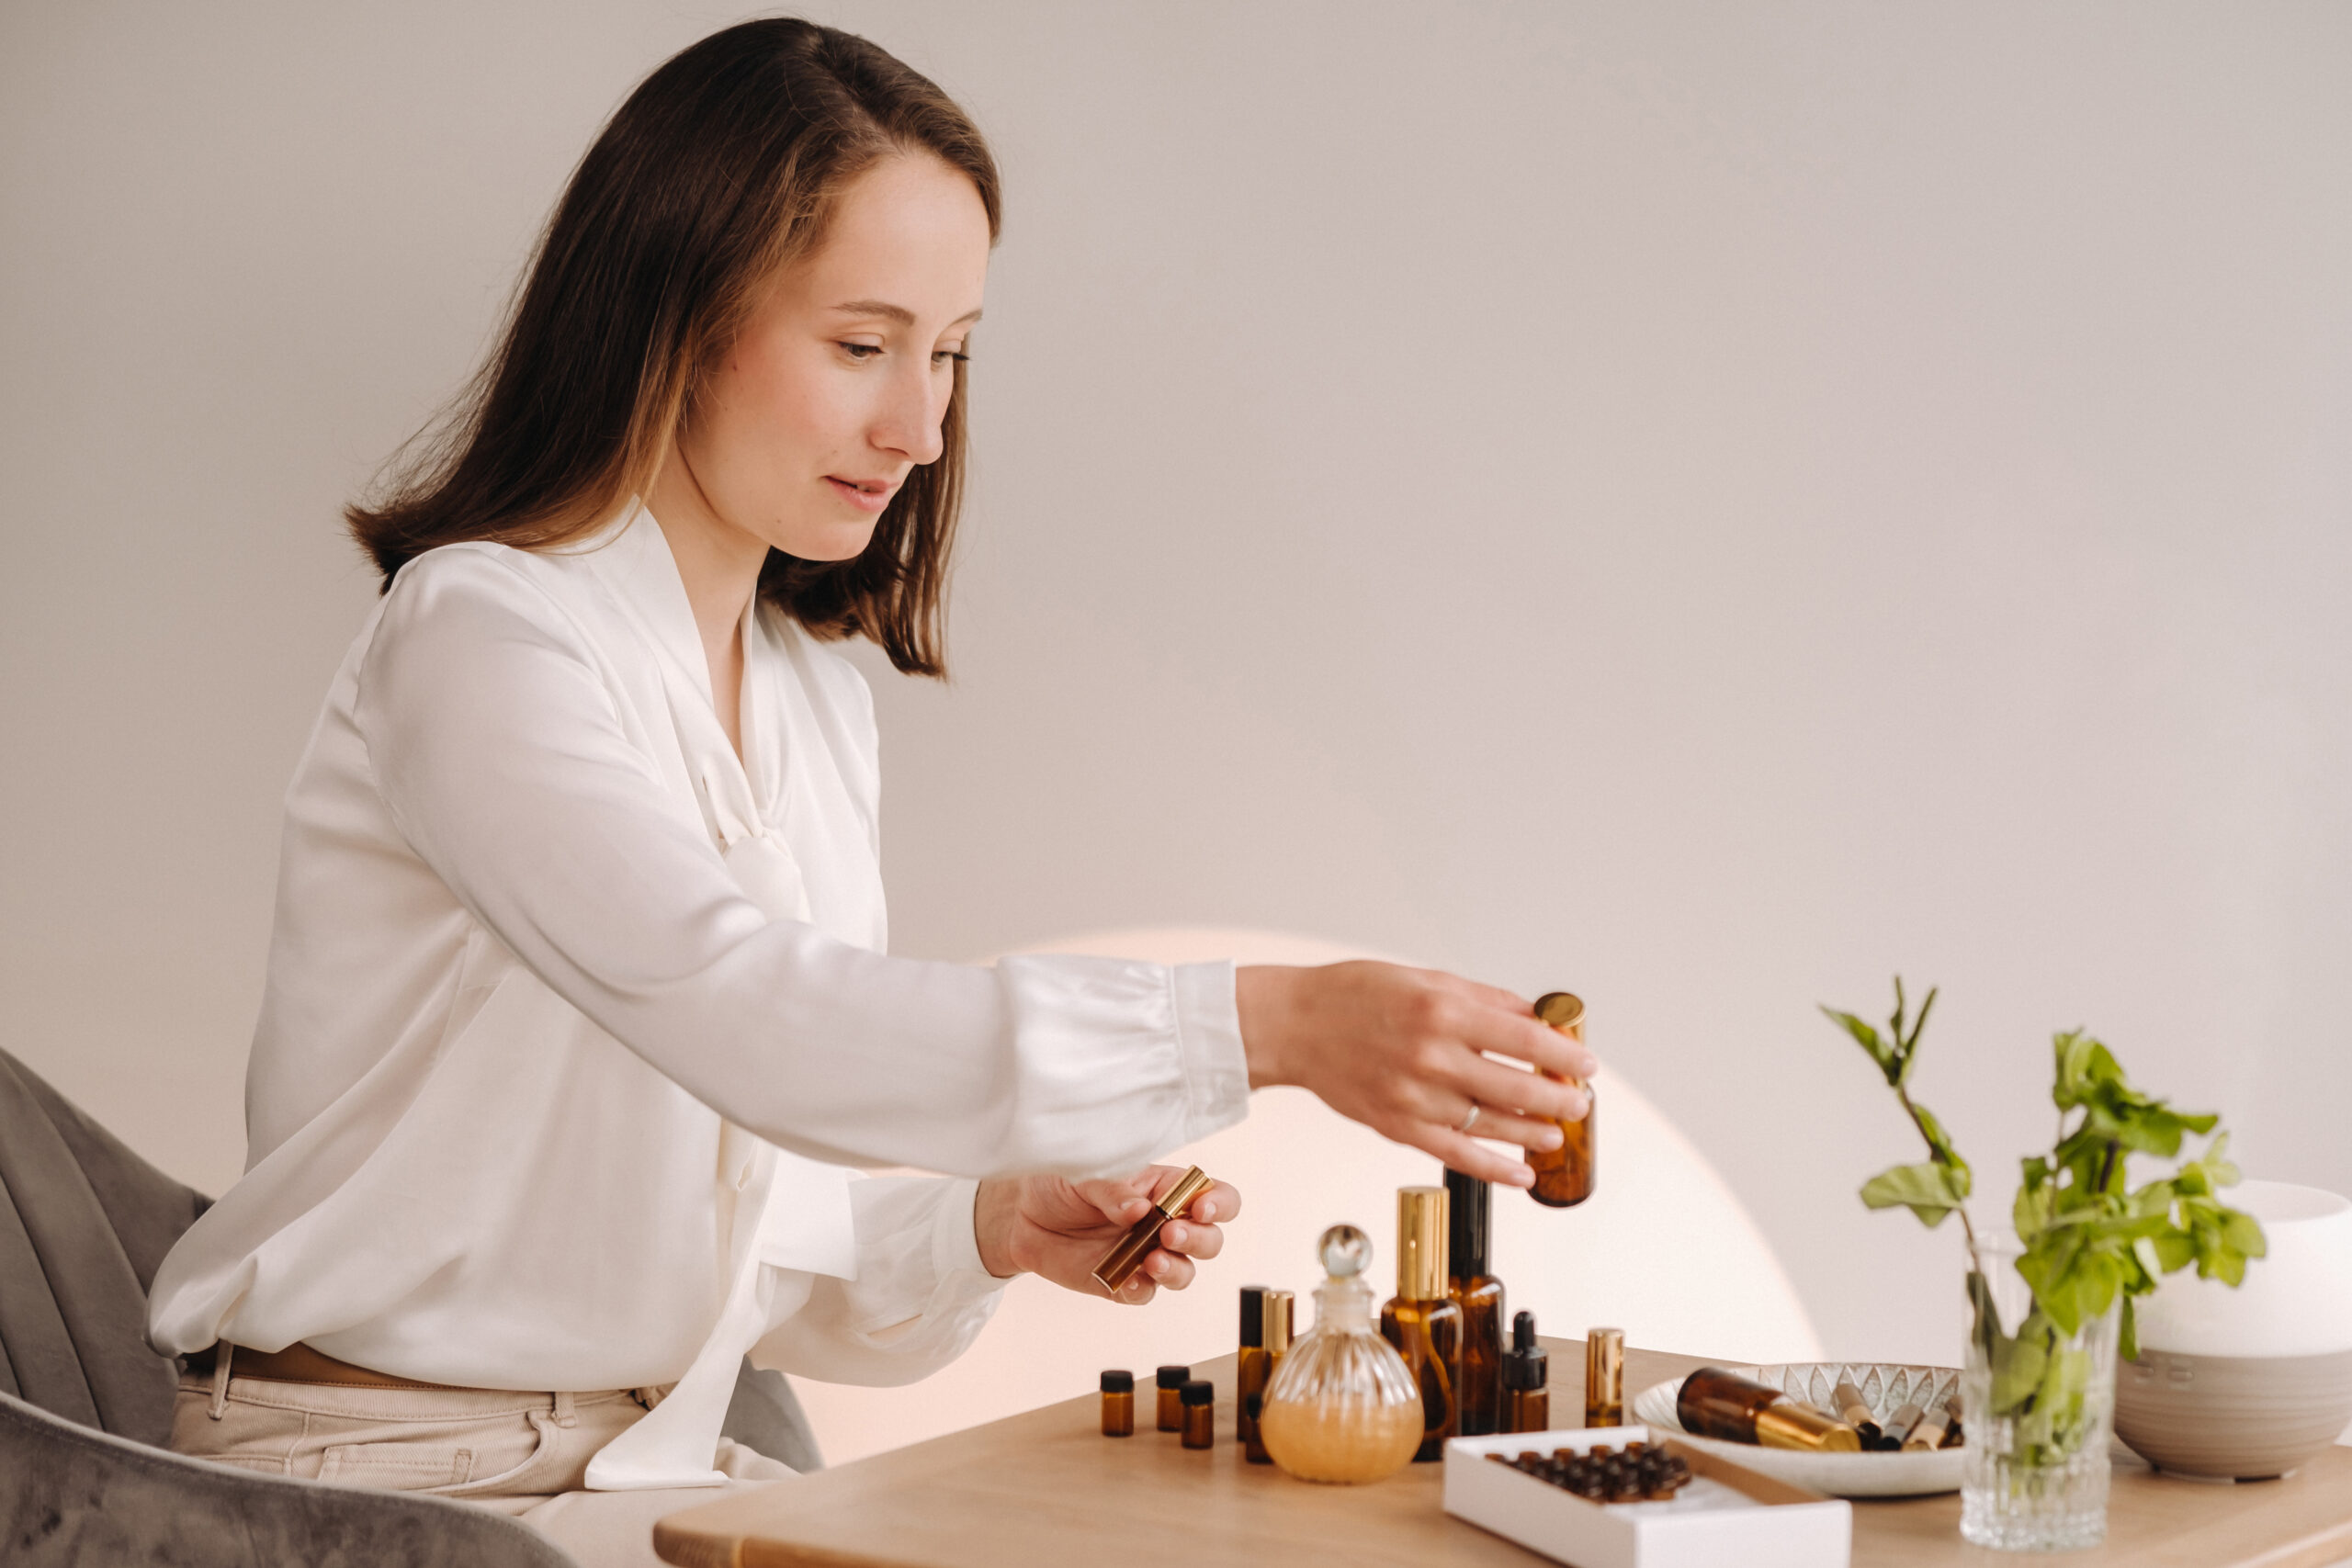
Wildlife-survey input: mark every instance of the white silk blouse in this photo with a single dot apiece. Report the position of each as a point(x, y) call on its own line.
point(575, 1025)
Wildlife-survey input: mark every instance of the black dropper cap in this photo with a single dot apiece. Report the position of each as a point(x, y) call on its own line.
point(1174, 1377)
point(1467, 1226)
point(1118, 1382)
point(1526, 1363)
point(1200, 1392)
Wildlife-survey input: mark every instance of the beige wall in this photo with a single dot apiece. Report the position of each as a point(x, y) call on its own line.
point(1706, 505)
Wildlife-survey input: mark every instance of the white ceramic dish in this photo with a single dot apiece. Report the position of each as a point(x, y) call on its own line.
point(1885, 1388)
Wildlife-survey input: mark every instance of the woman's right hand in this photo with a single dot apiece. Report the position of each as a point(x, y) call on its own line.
point(1407, 1052)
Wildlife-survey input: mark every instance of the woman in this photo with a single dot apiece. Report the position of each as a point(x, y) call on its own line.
point(578, 1010)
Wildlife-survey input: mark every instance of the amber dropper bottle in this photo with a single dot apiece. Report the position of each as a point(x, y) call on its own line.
point(1171, 1382)
point(1563, 1177)
point(1200, 1414)
point(1273, 1333)
point(1118, 1405)
point(1480, 1296)
point(1424, 1326)
point(1527, 1399)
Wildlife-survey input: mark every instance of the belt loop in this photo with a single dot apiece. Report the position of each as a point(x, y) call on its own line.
point(221, 1355)
point(563, 1413)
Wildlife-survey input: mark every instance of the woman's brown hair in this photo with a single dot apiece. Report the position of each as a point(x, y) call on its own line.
point(721, 168)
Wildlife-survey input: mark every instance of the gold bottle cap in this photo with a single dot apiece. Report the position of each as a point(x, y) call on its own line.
point(1786, 1424)
point(1561, 1010)
point(1189, 1186)
point(1421, 1244)
point(1604, 1367)
point(1277, 1326)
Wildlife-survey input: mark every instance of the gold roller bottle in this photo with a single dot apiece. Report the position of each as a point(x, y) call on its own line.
point(1420, 1321)
point(1734, 1409)
point(1471, 1283)
point(1563, 1177)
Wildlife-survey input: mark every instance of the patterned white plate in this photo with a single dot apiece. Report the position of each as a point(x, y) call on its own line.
point(1884, 1387)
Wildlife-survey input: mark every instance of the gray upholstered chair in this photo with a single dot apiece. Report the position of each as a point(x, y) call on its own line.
point(86, 1405)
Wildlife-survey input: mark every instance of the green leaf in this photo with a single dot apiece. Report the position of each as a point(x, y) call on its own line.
point(2018, 1368)
point(1867, 1037)
point(2174, 1250)
point(1929, 1189)
point(2243, 1233)
point(2127, 1341)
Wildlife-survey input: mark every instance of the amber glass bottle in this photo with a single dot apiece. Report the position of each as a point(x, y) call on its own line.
point(1273, 1344)
point(1118, 1405)
point(1734, 1409)
point(1527, 1394)
point(1480, 1296)
point(1424, 1325)
point(1564, 1176)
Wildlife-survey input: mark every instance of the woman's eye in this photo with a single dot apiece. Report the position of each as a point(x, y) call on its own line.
point(861, 350)
point(950, 356)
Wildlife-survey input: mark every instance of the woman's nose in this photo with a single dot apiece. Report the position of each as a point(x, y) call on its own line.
point(911, 416)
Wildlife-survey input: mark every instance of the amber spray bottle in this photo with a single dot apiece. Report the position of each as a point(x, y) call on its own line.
point(1563, 1177)
point(1479, 1294)
point(1420, 1321)
point(1527, 1395)
point(1265, 1336)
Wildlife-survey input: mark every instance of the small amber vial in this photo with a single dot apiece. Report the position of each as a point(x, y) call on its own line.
point(1563, 1177)
point(1171, 1380)
point(1199, 1400)
point(1118, 1405)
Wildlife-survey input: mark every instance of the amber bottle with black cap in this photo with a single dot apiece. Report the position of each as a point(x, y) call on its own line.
point(1527, 1394)
point(1421, 1320)
point(1474, 1288)
point(1563, 1177)
point(1199, 1400)
point(1118, 1405)
point(1265, 1336)
point(1169, 1413)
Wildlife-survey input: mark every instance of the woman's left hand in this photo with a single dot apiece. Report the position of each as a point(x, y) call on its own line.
point(1059, 1230)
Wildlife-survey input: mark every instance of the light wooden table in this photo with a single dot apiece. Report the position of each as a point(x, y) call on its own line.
point(1046, 1488)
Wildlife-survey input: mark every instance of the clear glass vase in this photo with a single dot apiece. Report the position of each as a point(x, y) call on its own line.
point(2037, 1405)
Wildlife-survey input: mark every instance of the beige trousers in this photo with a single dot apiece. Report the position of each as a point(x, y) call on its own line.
point(524, 1454)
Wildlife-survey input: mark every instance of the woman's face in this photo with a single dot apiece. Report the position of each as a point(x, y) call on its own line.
point(835, 389)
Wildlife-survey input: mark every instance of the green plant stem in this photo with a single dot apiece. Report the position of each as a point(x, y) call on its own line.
point(1975, 1257)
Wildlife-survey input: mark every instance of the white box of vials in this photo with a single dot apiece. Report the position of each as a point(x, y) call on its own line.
point(1728, 1514)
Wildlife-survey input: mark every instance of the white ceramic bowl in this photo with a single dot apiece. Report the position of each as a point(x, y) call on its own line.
point(1884, 1386)
point(2250, 1381)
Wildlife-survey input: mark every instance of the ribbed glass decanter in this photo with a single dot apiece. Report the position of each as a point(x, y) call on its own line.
point(1342, 1407)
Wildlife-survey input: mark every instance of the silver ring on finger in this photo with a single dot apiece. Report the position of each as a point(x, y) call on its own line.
point(1471, 1121)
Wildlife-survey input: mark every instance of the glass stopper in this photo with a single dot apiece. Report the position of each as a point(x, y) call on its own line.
point(1345, 1250)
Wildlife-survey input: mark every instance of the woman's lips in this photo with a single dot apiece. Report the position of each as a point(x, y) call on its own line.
point(866, 495)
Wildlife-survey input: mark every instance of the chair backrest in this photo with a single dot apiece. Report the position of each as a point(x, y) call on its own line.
point(84, 1225)
point(73, 1497)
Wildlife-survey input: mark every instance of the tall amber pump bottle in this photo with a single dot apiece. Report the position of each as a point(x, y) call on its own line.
point(1474, 1288)
point(1563, 1177)
point(1424, 1325)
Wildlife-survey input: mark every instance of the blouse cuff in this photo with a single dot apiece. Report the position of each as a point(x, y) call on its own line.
point(1208, 1035)
point(955, 1235)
